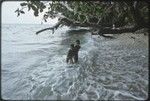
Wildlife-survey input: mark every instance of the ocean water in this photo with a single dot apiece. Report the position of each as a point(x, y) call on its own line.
point(34, 68)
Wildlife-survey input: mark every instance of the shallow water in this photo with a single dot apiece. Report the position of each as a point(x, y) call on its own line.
point(34, 68)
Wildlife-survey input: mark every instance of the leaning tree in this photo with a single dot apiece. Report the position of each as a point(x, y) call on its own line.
point(109, 17)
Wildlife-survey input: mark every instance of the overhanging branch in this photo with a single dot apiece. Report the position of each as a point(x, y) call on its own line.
point(68, 22)
point(50, 28)
point(102, 30)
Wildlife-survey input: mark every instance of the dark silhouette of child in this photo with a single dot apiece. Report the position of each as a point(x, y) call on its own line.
point(76, 50)
point(70, 54)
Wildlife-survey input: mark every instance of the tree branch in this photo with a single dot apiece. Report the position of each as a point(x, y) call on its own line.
point(50, 28)
point(66, 6)
point(102, 30)
point(119, 30)
point(68, 22)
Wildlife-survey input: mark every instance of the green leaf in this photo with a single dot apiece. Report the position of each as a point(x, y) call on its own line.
point(18, 14)
point(33, 7)
point(23, 4)
point(45, 20)
point(17, 10)
point(36, 13)
point(22, 12)
point(41, 10)
point(43, 6)
point(29, 7)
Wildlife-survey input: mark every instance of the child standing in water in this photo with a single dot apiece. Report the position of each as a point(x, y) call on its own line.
point(76, 50)
point(70, 54)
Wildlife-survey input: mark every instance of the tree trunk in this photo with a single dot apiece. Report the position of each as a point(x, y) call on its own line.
point(118, 30)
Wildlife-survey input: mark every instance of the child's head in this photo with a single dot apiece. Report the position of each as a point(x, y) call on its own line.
point(72, 46)
point(78, 41)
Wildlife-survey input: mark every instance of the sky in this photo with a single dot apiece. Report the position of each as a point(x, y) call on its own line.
point(10, 17)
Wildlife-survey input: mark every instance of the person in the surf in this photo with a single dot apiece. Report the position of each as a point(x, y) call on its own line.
point(76, 50)
point(70, 54)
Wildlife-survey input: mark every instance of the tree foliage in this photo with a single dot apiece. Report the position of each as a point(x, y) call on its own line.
point(94, 14)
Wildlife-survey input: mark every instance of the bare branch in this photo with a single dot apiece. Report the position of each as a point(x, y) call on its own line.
point(50, 28)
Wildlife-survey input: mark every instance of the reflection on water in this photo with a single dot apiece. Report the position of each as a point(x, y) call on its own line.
point(33, 67)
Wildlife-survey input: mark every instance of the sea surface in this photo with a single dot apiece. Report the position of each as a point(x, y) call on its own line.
point(34, 66)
